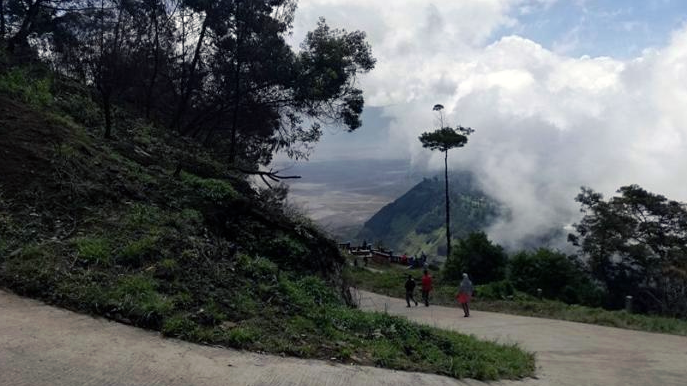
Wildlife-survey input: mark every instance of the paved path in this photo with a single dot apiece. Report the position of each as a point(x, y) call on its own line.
point(568, 353)
point(44, 345)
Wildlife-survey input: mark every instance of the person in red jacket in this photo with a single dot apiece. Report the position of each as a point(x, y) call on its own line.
point(426, 287)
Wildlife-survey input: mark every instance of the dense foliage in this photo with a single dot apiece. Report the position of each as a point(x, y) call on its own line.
point(557, 275)
point(445, 138)
point(220, 72)
point(636, 244)
point(477, 256)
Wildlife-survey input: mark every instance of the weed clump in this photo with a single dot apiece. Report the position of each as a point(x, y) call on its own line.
point(212, 189)
point(95, 250)
point(33, 89)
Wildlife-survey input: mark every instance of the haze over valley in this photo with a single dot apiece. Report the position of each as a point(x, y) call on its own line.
point(561, 95)
point(342, 194)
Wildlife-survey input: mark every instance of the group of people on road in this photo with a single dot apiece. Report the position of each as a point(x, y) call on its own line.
point(463, 296)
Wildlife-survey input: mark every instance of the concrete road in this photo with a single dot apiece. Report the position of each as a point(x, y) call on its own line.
point(44, 345)
point(568, 353)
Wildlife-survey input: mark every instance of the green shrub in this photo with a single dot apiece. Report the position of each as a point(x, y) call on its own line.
point(68, 123)
point(179, 326)
point(245, 305)
point(384, 353)
point(214, 190)
point(188, 221)
point(141, 216)
point(7, 231)
point(81, 108)
point(169, 264)
point(307, 292)
point(300, 324)
point(476, 255)
point(557, 276)
point(34, 271)
point(93, 249)
point(286, 251)
point(242, 336)
point(183, 299)
point(259, 268)
point(211, 314)
point(87, 290)
point(136, 297)
point(18, 82)
point(4, 249)
point(498, 290)
point(137, 251)
point(143, 133)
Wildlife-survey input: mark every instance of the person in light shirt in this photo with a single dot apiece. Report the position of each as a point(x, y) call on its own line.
point(465, 294)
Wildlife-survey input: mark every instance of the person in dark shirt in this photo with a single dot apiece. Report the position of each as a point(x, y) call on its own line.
point(410, 288)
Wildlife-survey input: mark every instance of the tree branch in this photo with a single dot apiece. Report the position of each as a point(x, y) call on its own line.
point(272, 175)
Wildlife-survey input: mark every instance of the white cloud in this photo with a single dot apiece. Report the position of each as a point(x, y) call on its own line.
point(545, 123)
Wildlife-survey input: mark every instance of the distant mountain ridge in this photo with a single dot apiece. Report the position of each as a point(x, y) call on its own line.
point(415, 221)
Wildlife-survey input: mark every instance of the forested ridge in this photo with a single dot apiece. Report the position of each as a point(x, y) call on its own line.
point(415, 221)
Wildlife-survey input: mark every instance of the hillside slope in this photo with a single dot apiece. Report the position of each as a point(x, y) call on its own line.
point(153, 230)
point(415, 221)
point(77, 207)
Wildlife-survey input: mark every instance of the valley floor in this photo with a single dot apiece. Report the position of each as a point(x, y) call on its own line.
point(44, 345)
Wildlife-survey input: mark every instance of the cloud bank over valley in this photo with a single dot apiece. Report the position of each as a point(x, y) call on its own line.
point(546, 122)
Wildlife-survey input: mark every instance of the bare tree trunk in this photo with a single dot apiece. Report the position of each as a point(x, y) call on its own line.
point(107, 110)
point(2, 19)
point(156, 61)
point(188, 88)
point(108, 73)
point(448, 208)
point(20, 37)
point(237, 88)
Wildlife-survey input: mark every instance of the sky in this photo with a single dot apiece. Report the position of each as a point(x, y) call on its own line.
point(561, 94)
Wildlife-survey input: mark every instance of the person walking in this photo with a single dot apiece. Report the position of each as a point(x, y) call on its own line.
point(465, 294)
point(426, 287)
point(410, 288)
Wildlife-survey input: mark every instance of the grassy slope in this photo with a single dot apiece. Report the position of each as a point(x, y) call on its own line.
point(103, 227)
point(492, 298)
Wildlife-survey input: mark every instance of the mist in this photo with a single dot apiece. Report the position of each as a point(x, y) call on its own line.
point(546, 123)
